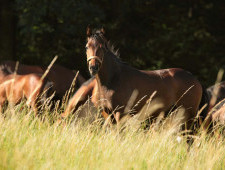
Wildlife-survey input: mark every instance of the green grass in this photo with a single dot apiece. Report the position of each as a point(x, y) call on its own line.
point(27, 142)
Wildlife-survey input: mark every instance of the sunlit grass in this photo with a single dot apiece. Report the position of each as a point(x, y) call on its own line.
point(28, 142)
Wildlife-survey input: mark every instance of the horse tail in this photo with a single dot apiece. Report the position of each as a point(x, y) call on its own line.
point(204, 113)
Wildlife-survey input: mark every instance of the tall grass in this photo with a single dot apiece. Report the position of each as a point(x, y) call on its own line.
point(28, 142)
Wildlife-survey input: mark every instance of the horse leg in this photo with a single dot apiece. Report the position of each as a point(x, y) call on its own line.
point(108, 119)
point(79, 98)
point(69, 108)
point(31, 101)
point(117, 117)
point(34, 107)
point(188, 125)
point(0, 108)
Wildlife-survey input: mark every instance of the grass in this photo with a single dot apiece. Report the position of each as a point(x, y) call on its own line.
point(28, 142)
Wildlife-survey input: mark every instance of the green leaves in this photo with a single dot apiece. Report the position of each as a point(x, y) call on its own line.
point(149, 34)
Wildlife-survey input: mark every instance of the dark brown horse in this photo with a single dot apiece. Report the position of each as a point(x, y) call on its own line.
point(114, 82)
point(22, 68)
point(4, 71)
point(60, 76)
point(14, 88)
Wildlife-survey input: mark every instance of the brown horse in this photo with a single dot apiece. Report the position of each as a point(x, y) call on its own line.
point(220, 90)
point(218, 113)
point(114, 82)
point(4, 71)
point(216, 95)
point(14, 88)
point(60, 76)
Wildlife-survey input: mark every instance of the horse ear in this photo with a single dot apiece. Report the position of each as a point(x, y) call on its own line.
point(102, 31)
point(89, 31)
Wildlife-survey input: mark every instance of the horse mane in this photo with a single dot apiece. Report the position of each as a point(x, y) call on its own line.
point(5, 69)
point(115, 52)
point(112, 49)
point(99, 36)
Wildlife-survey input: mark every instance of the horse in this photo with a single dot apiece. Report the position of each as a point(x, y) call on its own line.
point(114, 82)
point(219, 89)
point(14, 88)
point(60, 76)
point(218, 113)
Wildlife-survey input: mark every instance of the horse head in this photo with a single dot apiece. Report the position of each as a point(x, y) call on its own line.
point(95, 49)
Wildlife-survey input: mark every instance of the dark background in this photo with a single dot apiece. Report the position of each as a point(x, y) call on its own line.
point(150, 34)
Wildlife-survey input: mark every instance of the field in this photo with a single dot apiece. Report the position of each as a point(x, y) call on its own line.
point(28, 142)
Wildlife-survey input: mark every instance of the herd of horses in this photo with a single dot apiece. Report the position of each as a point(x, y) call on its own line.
point(28, 83)
point(115, 88)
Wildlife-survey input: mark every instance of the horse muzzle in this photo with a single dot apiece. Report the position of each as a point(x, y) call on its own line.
point(93, 69)
point(94, 64)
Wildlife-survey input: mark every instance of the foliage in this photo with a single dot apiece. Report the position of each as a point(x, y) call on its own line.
point(48, 27)
point(150, 34)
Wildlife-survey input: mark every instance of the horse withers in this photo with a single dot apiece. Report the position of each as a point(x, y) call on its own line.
point(113, 83)
point(14, 88)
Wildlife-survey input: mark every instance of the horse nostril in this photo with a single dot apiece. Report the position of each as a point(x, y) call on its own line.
point(95, 67)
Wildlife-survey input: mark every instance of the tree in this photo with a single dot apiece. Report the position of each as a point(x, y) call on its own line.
point(7, 30)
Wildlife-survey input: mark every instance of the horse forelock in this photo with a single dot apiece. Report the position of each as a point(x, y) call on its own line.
point(98, 37)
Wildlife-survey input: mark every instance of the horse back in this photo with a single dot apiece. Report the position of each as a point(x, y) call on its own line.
point(187, 89)
point(172, 86)
point(174, 81)
point(22, 68)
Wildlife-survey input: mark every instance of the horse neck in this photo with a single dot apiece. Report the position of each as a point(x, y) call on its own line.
point(110, 66)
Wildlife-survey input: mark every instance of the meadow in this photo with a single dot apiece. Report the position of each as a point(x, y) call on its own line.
point(29, 142)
